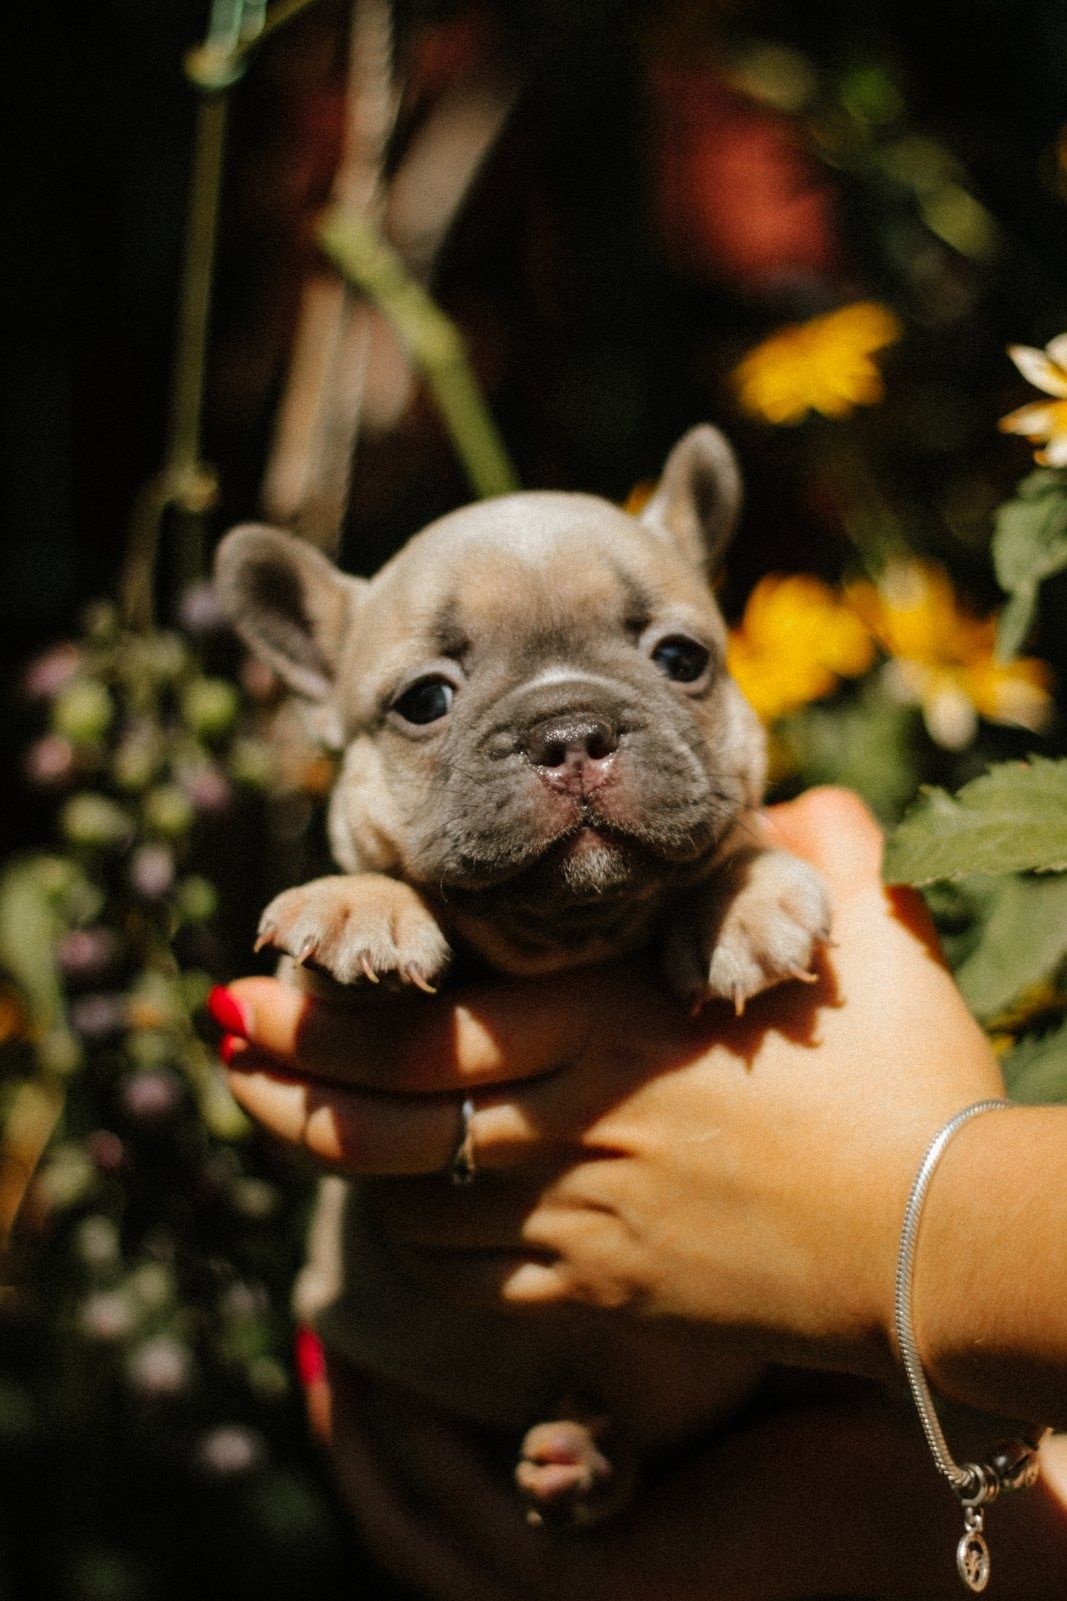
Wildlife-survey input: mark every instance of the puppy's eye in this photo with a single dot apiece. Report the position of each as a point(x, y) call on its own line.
point(426, 701)
point(680, 658)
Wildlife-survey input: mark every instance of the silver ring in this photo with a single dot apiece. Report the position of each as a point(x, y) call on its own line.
point(463, 1167)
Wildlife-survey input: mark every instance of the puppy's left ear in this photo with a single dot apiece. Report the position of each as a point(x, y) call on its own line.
point(697, 503)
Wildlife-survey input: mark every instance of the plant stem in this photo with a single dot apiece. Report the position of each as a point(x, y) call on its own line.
point(370, 264)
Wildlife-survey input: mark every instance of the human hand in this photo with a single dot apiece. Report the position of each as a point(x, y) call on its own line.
point(749, 1174)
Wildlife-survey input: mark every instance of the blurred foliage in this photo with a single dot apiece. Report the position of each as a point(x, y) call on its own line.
point(842, 261)
point(144, 1330)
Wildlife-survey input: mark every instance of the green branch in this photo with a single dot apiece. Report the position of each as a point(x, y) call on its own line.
point(432, 341)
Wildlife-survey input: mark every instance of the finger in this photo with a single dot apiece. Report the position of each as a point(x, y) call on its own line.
point(364, 1133)
point(835, 831)
point(506, 1030)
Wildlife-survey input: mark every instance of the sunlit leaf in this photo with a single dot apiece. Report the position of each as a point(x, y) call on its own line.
point(1023, 939)
point(1015, 621)
point(1011, 820)
point(1029, 545)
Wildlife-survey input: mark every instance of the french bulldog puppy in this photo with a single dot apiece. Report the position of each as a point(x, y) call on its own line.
point(545, 764)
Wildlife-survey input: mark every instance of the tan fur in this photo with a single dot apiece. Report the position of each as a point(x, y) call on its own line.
point(573, 798)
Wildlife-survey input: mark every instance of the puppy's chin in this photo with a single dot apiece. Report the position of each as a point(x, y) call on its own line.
point(587, 864)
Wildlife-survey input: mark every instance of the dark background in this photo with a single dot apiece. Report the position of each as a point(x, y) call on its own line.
point(607, 282)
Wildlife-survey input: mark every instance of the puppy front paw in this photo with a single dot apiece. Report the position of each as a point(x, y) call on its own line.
point(760, 922)
point(358, 927)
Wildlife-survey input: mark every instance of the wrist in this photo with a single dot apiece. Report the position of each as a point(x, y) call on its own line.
point(989, 1279)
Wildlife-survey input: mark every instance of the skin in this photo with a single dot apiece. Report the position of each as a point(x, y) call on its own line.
point(747, 1175)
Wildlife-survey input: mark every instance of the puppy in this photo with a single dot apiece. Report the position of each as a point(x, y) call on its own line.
point(545, 764)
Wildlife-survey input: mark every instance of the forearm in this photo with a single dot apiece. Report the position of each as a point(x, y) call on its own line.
point(990, 1292)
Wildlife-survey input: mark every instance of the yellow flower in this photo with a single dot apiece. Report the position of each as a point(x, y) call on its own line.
point(639, 497)
point(824, 365)
point(797, 639)
point(943, 658)
point(1044, 422)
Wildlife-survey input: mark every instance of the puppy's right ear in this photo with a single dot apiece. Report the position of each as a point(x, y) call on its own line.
point(289, 604)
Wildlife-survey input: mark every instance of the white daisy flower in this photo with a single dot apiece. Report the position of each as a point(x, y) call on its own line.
point(1044, 422)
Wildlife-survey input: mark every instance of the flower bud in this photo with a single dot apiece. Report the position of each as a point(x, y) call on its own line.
point(96, 1241)
point(196, 898)
point(108, 1316)
point(88, 954)
point(166, 810)
point(151, 1097)
point(159, 1367)
point(251, 763)
point(200, 613)
point(230, 1449)
point(151, 871)
point(98, 1017)
point(50, 762)
point(207, 788)
point(210, 707)
point(83, 711)
point(94, 822)
point(48, 673)
point(138, 756)
point(154, 1286)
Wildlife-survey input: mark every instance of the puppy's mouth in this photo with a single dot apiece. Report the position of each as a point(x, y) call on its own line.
point(588, 857)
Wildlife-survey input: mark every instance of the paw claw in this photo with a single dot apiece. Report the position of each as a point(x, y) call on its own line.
point(759, 923)
point(358, 929)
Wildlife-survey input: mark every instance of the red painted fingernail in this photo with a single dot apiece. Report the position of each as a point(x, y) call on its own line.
point(308, 1355)
point(227, 1045)
point(228, 1012)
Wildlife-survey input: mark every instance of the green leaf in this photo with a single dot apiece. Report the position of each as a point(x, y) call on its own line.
point(865, 744)
point(1023, 939)
point(29, 928)
point(1011, 820)
point(1029, 544)
point(1036, 1068)
point(1015, 621)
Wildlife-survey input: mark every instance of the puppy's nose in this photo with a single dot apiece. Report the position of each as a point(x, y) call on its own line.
point(573, 752)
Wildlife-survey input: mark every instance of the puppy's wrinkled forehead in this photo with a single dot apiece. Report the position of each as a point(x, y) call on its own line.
point(538, 573)
point(528, 573)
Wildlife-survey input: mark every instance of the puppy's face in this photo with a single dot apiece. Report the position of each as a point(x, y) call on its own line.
point(537, 723)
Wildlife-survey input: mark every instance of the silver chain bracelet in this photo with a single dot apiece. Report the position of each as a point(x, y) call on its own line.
point(1012, 1465)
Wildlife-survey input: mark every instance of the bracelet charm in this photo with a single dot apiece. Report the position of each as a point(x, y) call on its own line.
point(972, 1553)
point(1013, 1464)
